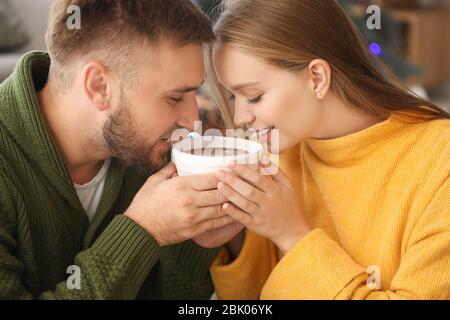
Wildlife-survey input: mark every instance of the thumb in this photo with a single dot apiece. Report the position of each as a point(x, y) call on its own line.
point(271, 169)
point(164, 174)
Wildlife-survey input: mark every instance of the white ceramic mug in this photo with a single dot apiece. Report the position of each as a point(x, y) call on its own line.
point(194, 155)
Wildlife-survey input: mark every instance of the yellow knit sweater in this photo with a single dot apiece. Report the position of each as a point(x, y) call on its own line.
point(379, 204)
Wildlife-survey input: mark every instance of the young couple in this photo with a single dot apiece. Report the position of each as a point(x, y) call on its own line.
point(358, 209)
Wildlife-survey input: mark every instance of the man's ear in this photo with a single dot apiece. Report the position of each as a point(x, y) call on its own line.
point(97, 85)
point(319, 72)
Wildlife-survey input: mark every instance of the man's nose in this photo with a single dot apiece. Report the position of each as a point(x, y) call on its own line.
point(188, 113)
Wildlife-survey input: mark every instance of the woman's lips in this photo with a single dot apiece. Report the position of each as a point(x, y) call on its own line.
point(264, 134)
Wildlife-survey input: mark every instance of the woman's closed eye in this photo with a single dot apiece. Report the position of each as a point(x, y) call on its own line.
point(254, 100)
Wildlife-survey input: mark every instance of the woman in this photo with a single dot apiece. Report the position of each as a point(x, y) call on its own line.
point(360, 206)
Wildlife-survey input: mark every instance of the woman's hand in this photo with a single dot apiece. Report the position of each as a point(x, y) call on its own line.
point(265, 204)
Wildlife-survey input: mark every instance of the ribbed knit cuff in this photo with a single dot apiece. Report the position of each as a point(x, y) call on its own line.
point(133, 249)
point(316, 268)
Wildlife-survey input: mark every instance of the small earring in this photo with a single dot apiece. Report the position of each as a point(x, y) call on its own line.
point(319, 94)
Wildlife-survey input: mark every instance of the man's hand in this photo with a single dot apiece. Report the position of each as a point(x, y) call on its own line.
point(176, 209)
point(219, 237)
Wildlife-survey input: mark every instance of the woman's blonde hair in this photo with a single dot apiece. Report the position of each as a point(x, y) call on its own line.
point(292, 33)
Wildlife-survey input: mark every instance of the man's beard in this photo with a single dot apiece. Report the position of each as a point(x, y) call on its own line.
point(122, 140)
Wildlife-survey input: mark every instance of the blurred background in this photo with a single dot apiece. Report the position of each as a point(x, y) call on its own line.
point(414, 40)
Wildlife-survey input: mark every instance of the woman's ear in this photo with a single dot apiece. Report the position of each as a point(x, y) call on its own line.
point(320, 74)
point(96, 86)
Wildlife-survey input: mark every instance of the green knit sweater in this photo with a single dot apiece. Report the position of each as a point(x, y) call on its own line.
point(44, 229)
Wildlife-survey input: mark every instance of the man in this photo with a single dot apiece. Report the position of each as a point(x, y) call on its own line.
point(81, 127)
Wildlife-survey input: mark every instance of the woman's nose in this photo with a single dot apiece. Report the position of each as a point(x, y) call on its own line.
point(242, 116)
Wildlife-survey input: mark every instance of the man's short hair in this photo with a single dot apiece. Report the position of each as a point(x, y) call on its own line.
point(110, 28)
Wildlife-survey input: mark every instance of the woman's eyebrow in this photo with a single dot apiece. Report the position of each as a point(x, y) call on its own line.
point(241, 86)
